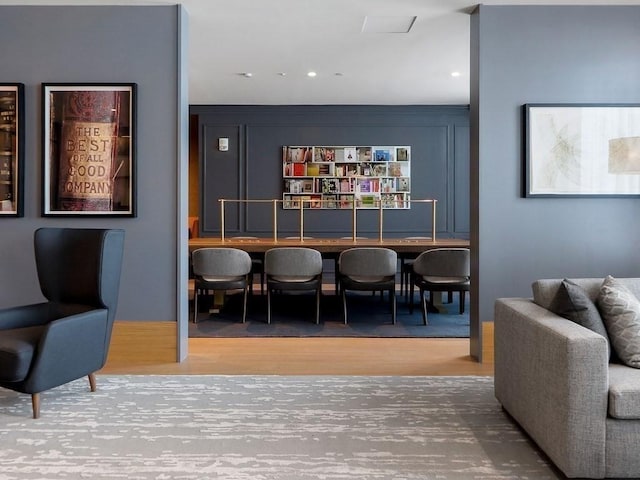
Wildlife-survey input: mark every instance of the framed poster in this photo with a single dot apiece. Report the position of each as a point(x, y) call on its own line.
point(88, 145)
point(11, 149)
point(576, 150)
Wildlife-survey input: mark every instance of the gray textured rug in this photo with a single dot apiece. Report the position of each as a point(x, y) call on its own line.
point(266, 428)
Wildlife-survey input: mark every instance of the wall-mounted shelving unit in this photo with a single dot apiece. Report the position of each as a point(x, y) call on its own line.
point(336, 177)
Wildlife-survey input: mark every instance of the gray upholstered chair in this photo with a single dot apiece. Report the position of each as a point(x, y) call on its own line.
point(221, 269)
point(368, 269)
point(257, 264)
point(66, 337)
point(293, 269)
point(441, 270)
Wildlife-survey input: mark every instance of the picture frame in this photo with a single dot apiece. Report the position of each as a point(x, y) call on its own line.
point(11, 150)
point(89, 149)
point(581, 150)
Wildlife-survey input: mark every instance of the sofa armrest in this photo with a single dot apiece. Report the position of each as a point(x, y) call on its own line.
point(551, 375)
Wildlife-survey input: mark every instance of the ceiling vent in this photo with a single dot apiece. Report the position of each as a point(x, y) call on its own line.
point(394, 24)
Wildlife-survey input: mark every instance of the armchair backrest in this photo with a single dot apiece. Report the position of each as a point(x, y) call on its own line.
point(80, 266)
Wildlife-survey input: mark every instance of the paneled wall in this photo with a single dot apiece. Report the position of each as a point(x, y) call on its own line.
point(252, 167)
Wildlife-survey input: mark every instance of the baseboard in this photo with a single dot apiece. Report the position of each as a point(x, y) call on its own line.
point(487, 342)
point(140, 343)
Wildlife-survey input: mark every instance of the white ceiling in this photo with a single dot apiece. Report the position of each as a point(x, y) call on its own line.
point(270, 37)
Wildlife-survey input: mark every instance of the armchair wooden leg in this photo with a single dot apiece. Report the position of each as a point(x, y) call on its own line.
point(462, 300)
point(92, 382)
point(35, 402)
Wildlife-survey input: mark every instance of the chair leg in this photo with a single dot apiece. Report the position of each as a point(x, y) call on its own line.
point(35, 403)
point(423, 304)
point(92, 382)
point(462, 300)
point(411, 297)
point(392, 296)
point(244, 304)
point(195, 305)
point(450, 297)
point(344, 304)
point(318, 304)
point(268, 304)
point(262, 282)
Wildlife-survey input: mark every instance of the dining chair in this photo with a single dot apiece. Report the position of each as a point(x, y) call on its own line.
point(221, 269)
point(368, 269)
point(257, 264)
point(406, 267)
point(293, 269)
point(441, 270)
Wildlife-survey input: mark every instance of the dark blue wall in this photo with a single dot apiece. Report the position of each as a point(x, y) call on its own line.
point(252, 168)
point(537, 54)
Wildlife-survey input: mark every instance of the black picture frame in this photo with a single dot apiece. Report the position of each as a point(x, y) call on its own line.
point(89, 149)
point(11, 150)
point(581, 150)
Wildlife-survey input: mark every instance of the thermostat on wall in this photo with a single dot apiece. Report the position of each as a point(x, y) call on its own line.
point(223, 144)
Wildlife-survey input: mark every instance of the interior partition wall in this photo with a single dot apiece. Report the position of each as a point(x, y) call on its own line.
point(543, 54)
point(106, 44)
point(252, 168)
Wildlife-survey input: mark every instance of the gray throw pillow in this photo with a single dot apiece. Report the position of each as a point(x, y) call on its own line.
point(573, 303)
point(620, 310)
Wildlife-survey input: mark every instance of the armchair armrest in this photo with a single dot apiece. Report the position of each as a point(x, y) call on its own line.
point(70, 348)
point(24, 316)
point(551, 375)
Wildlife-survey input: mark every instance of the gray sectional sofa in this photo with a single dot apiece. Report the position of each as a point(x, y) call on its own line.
point(556, 379)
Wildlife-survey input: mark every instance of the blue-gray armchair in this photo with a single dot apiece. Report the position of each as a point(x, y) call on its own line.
point(48, 344)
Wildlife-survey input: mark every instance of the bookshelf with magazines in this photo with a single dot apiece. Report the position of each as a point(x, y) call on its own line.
point(339, 177)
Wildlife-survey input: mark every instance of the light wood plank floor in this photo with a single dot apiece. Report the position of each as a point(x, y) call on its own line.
point(316, 356)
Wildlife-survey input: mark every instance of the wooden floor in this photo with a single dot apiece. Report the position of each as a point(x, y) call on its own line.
point(316, 356)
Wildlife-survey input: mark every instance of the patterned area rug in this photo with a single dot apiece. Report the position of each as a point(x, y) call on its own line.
point(294, 316)
point(267, 428)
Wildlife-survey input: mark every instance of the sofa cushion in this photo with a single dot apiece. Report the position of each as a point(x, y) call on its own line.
point(574, 303)
point(620, 310)
point(624, 392)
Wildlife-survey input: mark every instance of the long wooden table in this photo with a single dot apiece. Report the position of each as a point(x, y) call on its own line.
point(329, 245)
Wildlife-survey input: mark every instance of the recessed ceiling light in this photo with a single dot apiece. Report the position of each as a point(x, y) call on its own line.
point(246, 74)
point(455, 74)
point(311, 74)
point(339, 74)
point(282, 74)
